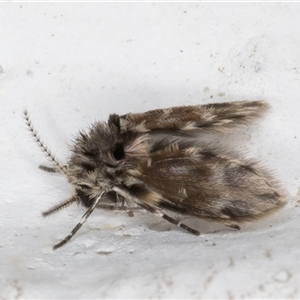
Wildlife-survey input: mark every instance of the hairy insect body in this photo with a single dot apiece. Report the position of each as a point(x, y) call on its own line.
point(155, 161)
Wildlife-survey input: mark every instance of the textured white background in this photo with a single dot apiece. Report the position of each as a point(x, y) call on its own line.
point(73, 63)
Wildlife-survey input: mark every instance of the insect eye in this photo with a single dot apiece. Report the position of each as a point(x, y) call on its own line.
point(84, 197)
point(118, 152)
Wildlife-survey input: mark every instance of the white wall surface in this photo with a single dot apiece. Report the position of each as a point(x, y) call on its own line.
point(70, 64)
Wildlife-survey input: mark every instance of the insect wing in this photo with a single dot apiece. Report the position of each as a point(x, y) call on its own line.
point(216, 117)
point(199, 182)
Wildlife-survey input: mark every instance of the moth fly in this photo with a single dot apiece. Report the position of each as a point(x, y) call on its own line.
point(156, 161)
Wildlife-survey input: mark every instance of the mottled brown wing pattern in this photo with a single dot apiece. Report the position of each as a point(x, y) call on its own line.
point(210, 117)
point(209, 184)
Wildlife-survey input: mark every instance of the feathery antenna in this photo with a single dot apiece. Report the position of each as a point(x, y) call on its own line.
point(41, 144)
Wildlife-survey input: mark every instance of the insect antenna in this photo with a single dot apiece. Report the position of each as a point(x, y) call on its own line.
point(82, 221)
point(48, 169)
point(41, 144)
point(60, 206)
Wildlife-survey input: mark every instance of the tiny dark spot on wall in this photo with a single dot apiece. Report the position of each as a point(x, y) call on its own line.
point(268, 254)
point(231, 262)
point(104, 252)
point(29, 73)
point(261, 288)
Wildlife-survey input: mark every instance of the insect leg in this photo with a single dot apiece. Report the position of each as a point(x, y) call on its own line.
point(151, 209)
point(179, 224)
point(82, 221)
point(114, 207)
point(171, 220)
point(233, 225)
